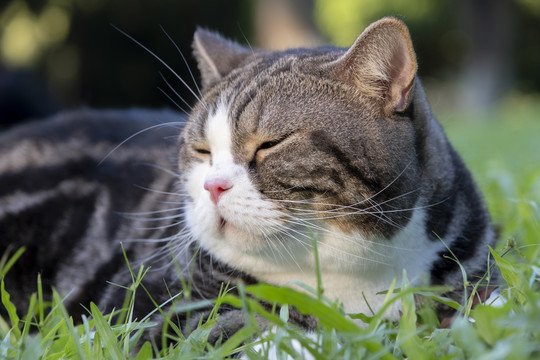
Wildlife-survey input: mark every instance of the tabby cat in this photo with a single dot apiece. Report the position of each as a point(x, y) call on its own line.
point(337, 145)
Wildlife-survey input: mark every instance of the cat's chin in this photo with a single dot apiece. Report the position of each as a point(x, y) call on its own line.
point(217, 234)
point(228, 227)
point(230, 242)
point(239, 238)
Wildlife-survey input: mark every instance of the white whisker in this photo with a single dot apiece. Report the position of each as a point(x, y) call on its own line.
point(175, 92)
point(172, 100)
point(134, 135)
point(184, 59)
point(153, 212)
point(162, 62)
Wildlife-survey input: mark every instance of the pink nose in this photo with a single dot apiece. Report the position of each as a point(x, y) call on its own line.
point(216, 187)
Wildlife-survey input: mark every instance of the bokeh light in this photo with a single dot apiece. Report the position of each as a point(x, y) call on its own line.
point(25, 35)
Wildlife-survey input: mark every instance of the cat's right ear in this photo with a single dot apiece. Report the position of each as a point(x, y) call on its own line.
point(216, 56)
point(381, 64)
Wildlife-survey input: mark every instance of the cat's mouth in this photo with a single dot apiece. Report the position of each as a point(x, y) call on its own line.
point(222, 222)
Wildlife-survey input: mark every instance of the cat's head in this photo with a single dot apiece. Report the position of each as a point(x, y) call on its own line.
point(287, 146)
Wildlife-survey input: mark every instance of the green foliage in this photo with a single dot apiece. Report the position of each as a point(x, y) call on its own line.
point(344, 20)
point(509, 178)
point(506, 332)
point(501, 149)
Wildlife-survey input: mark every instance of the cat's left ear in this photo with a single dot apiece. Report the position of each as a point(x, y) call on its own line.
point(216, 56)
point(381, 64)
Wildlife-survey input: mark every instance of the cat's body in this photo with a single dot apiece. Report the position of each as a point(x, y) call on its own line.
point(283, 148)
point(70, 211)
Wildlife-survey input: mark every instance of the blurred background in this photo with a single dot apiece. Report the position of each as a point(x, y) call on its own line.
point(60, 54)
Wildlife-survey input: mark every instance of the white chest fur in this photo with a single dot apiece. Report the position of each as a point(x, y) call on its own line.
point(354, 270)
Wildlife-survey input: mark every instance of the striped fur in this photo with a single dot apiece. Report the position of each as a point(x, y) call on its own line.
point(339, 144)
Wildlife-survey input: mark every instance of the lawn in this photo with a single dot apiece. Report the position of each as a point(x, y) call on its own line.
point(503, 152)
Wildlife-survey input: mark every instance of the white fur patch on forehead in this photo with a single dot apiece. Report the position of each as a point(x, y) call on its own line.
point(218, 131)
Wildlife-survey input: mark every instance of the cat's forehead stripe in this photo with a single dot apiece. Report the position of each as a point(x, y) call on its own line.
point(218, 130)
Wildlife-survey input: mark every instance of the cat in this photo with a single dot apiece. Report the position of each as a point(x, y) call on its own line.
point(282, 147)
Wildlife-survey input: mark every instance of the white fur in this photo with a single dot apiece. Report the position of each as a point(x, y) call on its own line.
point(271, 352)
point(237, 205)
point(352, 265)
point(254, 239)
point(218, 132)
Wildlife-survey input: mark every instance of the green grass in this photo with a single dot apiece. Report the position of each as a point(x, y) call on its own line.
point(501, 149)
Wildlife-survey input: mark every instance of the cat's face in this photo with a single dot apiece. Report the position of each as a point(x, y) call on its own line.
point(282, 149)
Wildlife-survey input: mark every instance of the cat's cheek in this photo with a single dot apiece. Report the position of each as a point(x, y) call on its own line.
point(194, 184)
point(198, 226)
point(201, 216)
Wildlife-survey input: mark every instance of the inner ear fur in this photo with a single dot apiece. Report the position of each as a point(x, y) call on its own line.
point(381, 64)
point(216, 56)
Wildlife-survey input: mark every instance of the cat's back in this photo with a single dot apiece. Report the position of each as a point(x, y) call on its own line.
point(68, 185)
point(88, 132)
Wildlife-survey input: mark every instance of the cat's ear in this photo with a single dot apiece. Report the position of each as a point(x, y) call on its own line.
point(381, 64)
point(216, 56)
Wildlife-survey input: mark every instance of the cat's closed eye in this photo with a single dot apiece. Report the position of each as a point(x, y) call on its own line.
point(202, 151)
point(269, 144)
point(272, 143)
